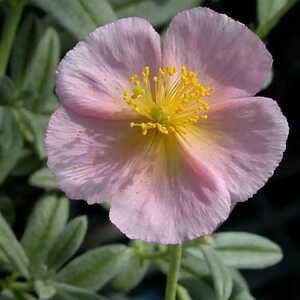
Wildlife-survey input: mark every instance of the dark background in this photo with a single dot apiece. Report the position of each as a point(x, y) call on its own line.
point(273, 212)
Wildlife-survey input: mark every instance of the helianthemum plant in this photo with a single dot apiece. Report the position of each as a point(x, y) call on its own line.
point(167, 130)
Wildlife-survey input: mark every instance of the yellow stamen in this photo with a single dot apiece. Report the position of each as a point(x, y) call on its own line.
point(170, 106)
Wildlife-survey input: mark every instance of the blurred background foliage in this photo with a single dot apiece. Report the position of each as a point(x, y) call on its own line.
point(34, 35)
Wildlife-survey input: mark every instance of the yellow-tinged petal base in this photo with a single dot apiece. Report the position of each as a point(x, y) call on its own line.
point(170, 103)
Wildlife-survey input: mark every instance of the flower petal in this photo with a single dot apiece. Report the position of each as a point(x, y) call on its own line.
point(92, 77)
point(155, 195)
point(168, 201)
point(243, 141)
point(225, 54)
point(88, 156)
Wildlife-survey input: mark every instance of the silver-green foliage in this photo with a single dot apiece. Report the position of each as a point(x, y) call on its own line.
point(78, 16)
point(37, 263)
point(212, 264)
point(269, 12)
point(49, 242)
point(26, 97)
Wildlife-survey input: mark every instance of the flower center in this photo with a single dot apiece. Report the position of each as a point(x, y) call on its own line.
point(170, 103)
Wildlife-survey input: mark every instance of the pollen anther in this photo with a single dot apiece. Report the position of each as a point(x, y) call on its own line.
point(169, 106)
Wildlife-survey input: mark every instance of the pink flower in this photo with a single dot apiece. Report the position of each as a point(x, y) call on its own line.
point(168, 131)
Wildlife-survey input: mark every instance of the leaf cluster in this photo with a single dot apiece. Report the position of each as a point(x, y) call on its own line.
point(27, 98)
point(210, 265)
point(39, 267)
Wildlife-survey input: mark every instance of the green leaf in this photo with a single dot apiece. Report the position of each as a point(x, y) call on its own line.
point(120, 3)
point(27, 163)
point(12, 249)
point(191, 265)
point(7, 90)
point(11, 3)
point(134, 270)
point(199, 289)
point(10, 138)
point(269, 79)
point(221, 275)
point(239, 283)
point(28, 95)
point(45, 224)
point(50, 104)
point(37, 124)
point(43, 178)
point(244, 295)
point(26, 296)
point(246, 250)
point(27, 98)
point(157, 12)
point(67, 40)
point(100, 12)
point(43, 289)
point(69, 292)
point(24, 129)
point(24, 47)
point(4, 262)
point(269, 13)
point(6, 295)
point(39, 75)
point(67, 243)
point(240, 287)
point(182, 293)
point(95, 268)
point(194, 262)
point(78, 16)
point(7, 209)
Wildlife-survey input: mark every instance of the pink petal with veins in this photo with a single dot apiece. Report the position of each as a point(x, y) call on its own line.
point(225, 54)
point(243, 141)
point(91, 78)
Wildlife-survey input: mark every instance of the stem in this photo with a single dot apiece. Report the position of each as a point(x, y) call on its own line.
point(175, 253)
point(20, 286)
point(8, 34)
